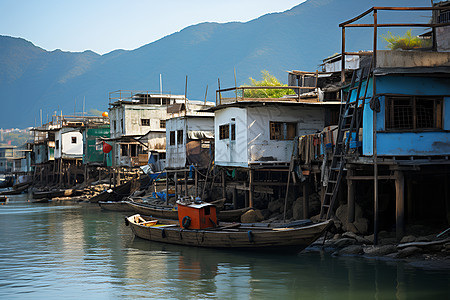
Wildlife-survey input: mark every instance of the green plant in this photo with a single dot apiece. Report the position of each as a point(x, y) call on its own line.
point(405, 42)
point(267, 80)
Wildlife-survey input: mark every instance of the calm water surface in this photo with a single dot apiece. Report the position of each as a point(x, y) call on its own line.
point(71, 250)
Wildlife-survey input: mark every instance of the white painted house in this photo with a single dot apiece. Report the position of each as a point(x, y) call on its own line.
point(68, 143)
point(138, 126)
point(255, 132)
point(190, 141)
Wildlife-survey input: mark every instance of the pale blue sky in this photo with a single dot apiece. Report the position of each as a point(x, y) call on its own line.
point(106, 25)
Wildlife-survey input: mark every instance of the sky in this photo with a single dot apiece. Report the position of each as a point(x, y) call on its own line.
point(106, 25)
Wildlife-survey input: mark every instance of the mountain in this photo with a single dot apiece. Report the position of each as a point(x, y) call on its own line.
point(32, 78)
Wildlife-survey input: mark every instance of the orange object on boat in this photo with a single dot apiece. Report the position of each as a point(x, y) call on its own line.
point(197, 216)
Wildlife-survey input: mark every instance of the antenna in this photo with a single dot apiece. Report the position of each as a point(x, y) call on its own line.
point(185, 96)
point(41, 116)
point(206, 93)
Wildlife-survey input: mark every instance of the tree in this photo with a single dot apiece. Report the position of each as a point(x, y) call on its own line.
point(267, 80)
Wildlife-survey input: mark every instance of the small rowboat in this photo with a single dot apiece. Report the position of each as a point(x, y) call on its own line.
point(230, 236)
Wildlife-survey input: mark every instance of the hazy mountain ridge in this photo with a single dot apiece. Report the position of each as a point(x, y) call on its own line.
point(299, 38)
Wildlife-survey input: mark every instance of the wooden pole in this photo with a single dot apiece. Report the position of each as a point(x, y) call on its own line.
point(343, 56)
point(350, 197)
point(224, 192)
point(185, 184)
point(167, 187)
point(250, 189)
point(176, 185)
point(305, 201)
point(286, 197)
point(196, 182)
point(399, 204)
point(375, 156)
point(235, 203)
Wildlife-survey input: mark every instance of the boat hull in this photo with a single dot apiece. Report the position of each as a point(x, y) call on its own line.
point(121, 206)
point(270, 239)
point(156, 212)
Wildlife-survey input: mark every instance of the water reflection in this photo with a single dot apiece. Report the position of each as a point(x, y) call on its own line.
point(76, 250)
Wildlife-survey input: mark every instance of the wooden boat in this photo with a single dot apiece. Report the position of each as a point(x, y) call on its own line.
point(15, 191)
point(55, 193)
point(113, 194)
point(230, 236)
point(233, 215)
point(115, 206)
point(154, 211)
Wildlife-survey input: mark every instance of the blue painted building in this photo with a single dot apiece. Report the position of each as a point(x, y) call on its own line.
point(413, 117)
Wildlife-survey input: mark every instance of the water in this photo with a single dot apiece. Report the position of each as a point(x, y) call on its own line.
point(76, 251)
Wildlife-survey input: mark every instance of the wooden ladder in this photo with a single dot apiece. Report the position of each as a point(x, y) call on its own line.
point(350, 121)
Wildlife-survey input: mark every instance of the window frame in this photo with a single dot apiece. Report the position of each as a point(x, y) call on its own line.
point(224, 131)
point(390, 113)
point(180, 137)
point(281, 134)
point(172, 138)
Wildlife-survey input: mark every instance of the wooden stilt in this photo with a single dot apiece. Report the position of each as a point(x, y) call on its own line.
point(224, 192)
point(167, 187)
point(176, 185)
point(235, 202)
point(250, 188)
point(399, 204)
point(185, 184)
point(350, 197)
point(305, 201)
point(196, 182)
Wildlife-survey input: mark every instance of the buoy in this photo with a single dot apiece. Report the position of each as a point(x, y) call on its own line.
point(106, 147)
point(105, 114)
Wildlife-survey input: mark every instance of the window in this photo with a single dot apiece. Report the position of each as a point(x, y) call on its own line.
point(98, 145)
point(114, 125)
point(172, 138)
point(282, 130)
point(179, 137)
point(74, 140)
point(145, 122)
point(57, 144)
point(162, 123)
point(412, 112)
point(233, 132)
point(224, 131)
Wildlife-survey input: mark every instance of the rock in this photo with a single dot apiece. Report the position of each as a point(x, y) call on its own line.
point(252, 216)
point(351, 250)
point(342, 243)
point(265, 213)
point(336, 236)
point(362, 225)
point(408, 251)
point(358, 238)
point(297, 209)
point(447, 247)
point(275, 206)
point(408, 239)
point(388, 241)
point(342, 215)
point(379, 250)
point(315, 218)
point(423, 239)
